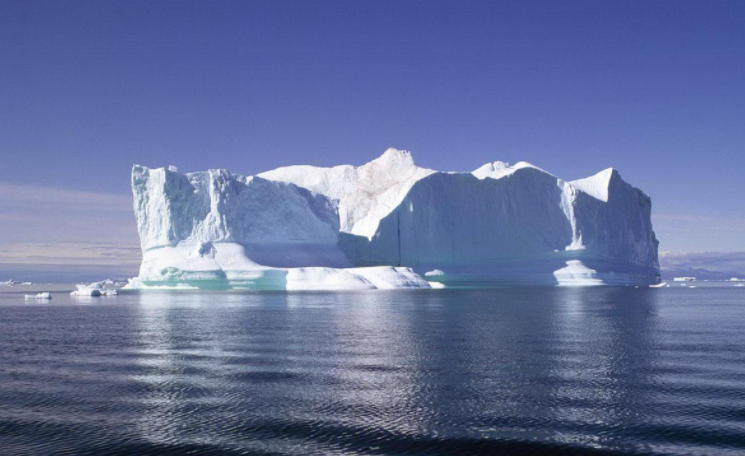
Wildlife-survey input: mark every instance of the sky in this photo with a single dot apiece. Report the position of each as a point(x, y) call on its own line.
point(87, 88)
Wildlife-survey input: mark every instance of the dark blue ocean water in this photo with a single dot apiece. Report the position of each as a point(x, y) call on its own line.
point(505, 371)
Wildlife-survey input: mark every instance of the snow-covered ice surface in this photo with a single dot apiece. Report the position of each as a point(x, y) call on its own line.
point(389, 224)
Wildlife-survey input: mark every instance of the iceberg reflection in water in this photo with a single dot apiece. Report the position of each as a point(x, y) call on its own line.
point(518, 370)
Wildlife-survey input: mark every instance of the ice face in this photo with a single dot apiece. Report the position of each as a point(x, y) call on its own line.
point(364, 194)
point(500, 224)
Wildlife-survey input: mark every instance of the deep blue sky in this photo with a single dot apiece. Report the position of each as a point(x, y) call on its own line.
point(655, 89)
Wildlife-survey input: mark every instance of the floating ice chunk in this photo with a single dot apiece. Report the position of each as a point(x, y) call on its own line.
point(44, 295)
point(434, 273)
point(89, 289)
point(91, 292)
point(95, 289)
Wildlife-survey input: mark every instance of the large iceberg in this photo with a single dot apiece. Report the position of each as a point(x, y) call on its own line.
point(390, 224)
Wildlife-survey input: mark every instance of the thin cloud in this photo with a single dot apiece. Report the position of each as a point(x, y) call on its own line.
point(70, 253)
point(714, 261)
point(34, 215)
point(15, 195)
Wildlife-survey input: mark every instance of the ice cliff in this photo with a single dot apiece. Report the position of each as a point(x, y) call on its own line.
point(390, 224)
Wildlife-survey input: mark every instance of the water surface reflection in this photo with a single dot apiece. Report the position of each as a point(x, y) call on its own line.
point(515, 370)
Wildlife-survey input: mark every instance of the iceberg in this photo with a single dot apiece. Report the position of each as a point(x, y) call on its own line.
point(389, 224)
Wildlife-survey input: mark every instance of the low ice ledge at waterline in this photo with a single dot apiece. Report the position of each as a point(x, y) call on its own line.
point(390, 224)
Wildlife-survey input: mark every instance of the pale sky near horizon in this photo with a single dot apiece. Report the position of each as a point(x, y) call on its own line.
point(654, 89)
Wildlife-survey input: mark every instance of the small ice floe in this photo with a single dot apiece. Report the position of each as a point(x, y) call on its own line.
point(659, 285)
point(85, 290)
point(434, 274)
point(43, 295)
point(693, 286)
point(93, 290)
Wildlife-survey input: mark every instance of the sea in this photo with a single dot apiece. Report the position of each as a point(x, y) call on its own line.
point(581, 371)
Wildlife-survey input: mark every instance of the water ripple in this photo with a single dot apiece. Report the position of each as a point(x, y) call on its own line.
point(510, 371)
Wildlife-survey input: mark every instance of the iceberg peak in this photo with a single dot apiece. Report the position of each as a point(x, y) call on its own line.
point(598, 185)
point(500, 169)
point(396, 157)
point(495, 170)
